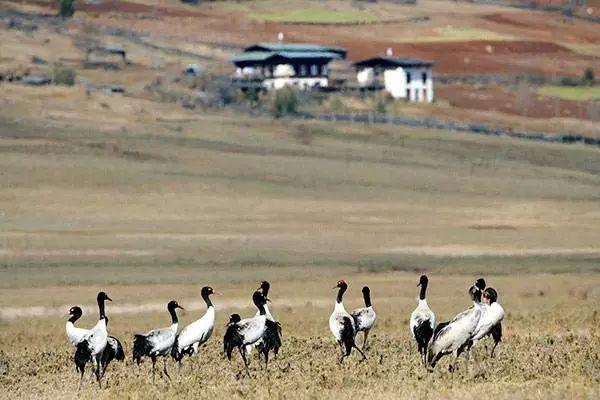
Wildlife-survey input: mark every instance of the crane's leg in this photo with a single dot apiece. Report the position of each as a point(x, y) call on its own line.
point(242, 350)
point(266, 360)
point(98, 376)
point(343, 353)
point(364, 346)
point(153, 368)
point(361, 353)
point(81, 378)
point(494, 348)
point(165, 368)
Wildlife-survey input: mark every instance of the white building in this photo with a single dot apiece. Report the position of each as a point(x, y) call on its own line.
point(403, 78)
point(275, 65)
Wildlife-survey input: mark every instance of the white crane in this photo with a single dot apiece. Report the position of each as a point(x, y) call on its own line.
point(198, 332)
point(364, 318)
point(422, 320)
point(342, 324)
point(454, 337)
point(157, 342)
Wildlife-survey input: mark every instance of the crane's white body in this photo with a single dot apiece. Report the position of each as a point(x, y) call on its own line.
point(421, 314)
point(456, 334)
point(364, 318)
point(491, 316)
point(252, 329)
point(197, 332)
point(97, 338)
point(74, 334)
point(161, 340)
point(336, 321)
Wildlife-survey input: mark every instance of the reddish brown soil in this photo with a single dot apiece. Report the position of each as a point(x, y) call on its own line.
point(514, 101)
point(125, 7)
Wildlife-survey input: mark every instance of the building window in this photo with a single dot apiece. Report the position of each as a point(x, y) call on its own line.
point(407, 94)
point(424, 94)
point(424, 76)
point(302, 70)
point(324, 70)
point(408, 77)
point(314, 70)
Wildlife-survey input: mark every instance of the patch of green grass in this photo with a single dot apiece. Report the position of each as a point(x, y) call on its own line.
point(315, 15)
point(579, 93)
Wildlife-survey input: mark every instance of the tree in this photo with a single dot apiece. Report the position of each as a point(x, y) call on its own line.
point(66, 8)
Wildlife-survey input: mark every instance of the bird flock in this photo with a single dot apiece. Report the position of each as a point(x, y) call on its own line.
point(261, 333)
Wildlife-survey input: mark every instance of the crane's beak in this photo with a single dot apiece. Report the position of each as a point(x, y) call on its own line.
point(108, 298)
point(178, 306)
point(269, 300)
point(217, 293)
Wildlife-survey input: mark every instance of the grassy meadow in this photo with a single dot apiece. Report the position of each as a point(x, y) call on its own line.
point(581, 93)
point(150, 201)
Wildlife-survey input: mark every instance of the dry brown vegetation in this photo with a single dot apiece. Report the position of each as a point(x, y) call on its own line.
point(550, 350)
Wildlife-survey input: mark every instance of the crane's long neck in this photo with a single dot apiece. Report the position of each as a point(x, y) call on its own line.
point(73, 319)
point(340, 295)
point(367, 297)
point(477, 298)
point(207, 300)
point(423, 292)
point(101, 314)
point(174, 318)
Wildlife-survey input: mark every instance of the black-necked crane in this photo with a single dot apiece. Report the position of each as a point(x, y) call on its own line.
point(247, 331)
point(198, 332)
point(92, 346)
point(422, 320)
point(342, 324)
point(364, 318)
point(454, 337)
point(271, 340)
point(157, 342)
point(75, 334)
point(490, 323)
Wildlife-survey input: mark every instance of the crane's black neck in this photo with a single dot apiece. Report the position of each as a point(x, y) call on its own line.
point(206, 298)
point(477, 296)
point(74, 318)
point(423, 292)
point(101, 313)
point(259, 301)
point(367, 297)
point(173, 313)
point(340, 294)
point(265, 286)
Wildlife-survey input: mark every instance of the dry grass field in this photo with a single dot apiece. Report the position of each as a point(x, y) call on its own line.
point(150, 201)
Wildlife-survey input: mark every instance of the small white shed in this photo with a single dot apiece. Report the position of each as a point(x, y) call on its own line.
point(404, 78)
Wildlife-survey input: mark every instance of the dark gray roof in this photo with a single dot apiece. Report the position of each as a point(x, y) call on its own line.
point(296, 47)
point(387, 61)
point(282, 56)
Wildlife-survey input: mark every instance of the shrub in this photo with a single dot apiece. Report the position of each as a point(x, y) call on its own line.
point(63, 75)
point(568, 81)
point(286, 101)
point(66, 8)
point(588, 77)
point(380, 105)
